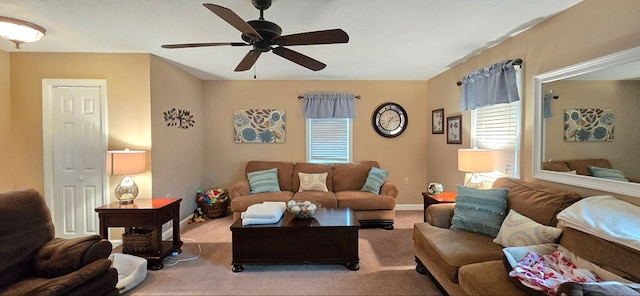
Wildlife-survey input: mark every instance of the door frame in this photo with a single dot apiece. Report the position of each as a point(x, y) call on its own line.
point(47, 132)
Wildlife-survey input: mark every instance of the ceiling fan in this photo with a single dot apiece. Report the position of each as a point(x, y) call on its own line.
point(264, 36)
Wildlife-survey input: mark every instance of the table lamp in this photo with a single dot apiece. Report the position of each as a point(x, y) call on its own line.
point(475, 161)
point(126, 162)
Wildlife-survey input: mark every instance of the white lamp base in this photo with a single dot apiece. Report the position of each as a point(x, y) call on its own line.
point(474, 181)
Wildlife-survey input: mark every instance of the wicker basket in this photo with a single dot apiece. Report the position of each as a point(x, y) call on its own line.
point(215, 210)
point(137, 240)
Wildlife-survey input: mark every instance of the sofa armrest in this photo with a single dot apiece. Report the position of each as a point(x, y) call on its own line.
point(390, 189)
point(240, 188)
point(61, 256)
point(440, 215)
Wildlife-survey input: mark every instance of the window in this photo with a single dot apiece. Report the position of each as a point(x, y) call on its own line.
point(329, 140)
point(497, 127)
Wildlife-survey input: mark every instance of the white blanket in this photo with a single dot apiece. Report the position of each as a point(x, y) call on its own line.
point(605, 217)
point(263, 213)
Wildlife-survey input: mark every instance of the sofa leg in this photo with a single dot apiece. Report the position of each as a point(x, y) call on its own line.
point(420, 267)
point(388, 227)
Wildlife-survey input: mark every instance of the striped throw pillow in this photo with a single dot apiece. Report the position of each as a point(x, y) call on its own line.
point(264, 181)
point(375, 180)
point(480, 210)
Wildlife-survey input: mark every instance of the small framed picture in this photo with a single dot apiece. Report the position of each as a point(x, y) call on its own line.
point(454, 129)
point(437, 121)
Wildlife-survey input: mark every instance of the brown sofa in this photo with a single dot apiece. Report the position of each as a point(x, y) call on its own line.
point(344, 182)
point(36, 263)
point(579, 166)
point(465, 263)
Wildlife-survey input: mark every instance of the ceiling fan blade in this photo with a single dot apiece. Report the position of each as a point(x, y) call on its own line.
point(185, 45)
point(233, 19)
point(316, 37)
point(299, 58)
point(247, 62)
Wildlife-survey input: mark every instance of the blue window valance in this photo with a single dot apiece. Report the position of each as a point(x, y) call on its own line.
point(329, 105)
point(489, 86)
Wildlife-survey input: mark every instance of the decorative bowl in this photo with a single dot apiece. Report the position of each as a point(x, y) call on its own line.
point(302, 209)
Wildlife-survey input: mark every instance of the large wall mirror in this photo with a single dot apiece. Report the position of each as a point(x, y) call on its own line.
point(587, 123)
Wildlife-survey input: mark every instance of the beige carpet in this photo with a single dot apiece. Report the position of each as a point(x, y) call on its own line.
point(387, 267)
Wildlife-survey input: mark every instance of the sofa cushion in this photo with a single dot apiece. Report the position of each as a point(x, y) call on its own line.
point(538, 202)
point(241, 203)
point(606, 173)
point(351, 176)
point(375, 179)
point(264, 181)
point(581, 166)
point(556, 166)
point(450, 249)
point(480, 210)
point(487, 278)
point(321, 199)
point(285, 171)
point(361, 200)
point(518, 230)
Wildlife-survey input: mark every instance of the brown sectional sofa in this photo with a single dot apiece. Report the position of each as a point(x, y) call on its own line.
point(344, 182)
point(465, 263)
point(580, 166)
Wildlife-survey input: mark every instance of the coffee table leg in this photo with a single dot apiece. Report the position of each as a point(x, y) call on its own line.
point(238, 268)
point(353, 266)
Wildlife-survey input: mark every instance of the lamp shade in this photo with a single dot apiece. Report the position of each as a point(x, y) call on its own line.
point(475, 160)
point(126, 162)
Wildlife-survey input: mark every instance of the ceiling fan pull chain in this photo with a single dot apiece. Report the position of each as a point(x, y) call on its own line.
point(254, 71)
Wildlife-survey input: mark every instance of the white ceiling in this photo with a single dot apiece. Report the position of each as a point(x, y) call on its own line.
point(389, 40)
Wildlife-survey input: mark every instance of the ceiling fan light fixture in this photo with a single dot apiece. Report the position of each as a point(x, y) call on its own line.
point(19, 31)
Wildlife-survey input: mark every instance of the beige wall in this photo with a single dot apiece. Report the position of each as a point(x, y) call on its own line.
point(404, 156)
point(622, 97)
point(6, 178)
point(129, 112)
point(178, 154)
point(588, 30)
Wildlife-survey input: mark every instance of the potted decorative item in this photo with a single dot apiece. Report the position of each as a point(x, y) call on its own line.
point(213, 202)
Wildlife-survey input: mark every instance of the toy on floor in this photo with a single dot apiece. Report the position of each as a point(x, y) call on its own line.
point(197, 217)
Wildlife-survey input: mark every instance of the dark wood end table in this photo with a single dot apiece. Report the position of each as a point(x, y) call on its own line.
point(329, 237)
point(149, 213)
point(432, 199)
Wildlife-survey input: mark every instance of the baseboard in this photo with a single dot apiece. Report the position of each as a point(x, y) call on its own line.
point(409, 207)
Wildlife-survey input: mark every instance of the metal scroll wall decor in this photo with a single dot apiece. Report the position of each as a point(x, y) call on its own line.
point(179, 118)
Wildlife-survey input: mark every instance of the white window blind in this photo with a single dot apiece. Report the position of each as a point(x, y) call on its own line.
point(329, 140)
point(498, 128)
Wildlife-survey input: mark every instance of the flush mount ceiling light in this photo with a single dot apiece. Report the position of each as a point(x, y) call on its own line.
point(19, 31)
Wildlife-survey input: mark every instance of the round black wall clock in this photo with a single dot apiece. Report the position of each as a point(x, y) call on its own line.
point(390, 120)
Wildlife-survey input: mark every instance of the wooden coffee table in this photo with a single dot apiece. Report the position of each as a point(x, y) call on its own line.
point(329, 237)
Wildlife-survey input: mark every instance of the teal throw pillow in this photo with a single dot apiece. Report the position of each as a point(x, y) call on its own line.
point(264, 181)
point(480, 210)
point(605, 173)
point(375, 180)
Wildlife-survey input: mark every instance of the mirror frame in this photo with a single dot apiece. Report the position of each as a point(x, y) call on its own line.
point(612, 60)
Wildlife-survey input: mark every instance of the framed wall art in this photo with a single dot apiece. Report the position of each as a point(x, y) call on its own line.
point(589, 125)
point(454, 129)
point(259, 126)
point(437, 121)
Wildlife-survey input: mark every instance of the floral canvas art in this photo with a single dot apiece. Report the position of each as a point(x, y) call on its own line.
point(259, 126)
point(588, 125)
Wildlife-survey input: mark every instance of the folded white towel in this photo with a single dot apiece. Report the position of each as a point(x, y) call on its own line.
point(265, 210)
point(253, 221)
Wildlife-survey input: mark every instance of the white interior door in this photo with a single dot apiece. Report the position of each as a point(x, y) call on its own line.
point(74, 128)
